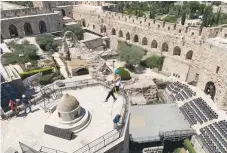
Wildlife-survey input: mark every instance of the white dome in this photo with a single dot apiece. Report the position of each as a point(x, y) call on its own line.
point(67, 103)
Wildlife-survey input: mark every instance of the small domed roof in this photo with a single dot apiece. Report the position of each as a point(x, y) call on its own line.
point(67, 103)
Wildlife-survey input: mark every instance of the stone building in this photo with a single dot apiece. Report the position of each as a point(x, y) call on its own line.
point(190, 55)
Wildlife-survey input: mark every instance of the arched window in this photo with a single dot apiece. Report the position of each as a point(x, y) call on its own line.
point(210, 89)
point(13, 31)
point(63, 12)
point(120, 34)
point(42, 27)
point(113, 32)
point(177, 51)
point(189, 55)
point(136, 38)
point(144, 41)
point(104, 29)
point(127, 36)
point(28, 29)
point(165, 47)
point(154, 44)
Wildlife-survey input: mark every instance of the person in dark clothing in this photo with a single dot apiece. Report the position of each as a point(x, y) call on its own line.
point(116, 88)
point(26, 104)
point(116, 120)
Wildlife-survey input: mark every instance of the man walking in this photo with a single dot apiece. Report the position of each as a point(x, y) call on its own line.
point(116, 87)
point(26, 104)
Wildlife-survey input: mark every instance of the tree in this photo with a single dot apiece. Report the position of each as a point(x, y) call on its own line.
point(171, 19)
point(206, 17)
point(45, 41)
point(218, 16)
point(212, 20)
point(131, 54)
point(183, 17)
point(76, 29)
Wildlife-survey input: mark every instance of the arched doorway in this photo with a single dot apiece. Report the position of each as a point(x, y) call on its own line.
point(210, 89)
point(136, 38)
point(42, 27)
point(177, 51)
point(144, 41)
point(28, 29)
point(189, 55)
point(113, 32)
point(127, 36)
point(13, 31)
point(63, 12)
point(104, 29)
point(120, 34)
point(165, 47)
point(154, 44)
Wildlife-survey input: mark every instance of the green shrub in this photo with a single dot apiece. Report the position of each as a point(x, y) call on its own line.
point(44, 71)
point(76, 29)
point(46, 79)
point(187, 144)
point(28, 51)
point(45, 41)
point(125, 75)
point(170, 18)
point(153, 62)
point(25, 42)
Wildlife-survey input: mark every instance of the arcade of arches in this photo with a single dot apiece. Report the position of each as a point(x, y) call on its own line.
point(13, 31)
point(144, 41)
point(165, 47)
point(189, 55)
point(28, 29)
point(127, 36)
point(136, 38)
point(210, 89)
point(113, 32)
point(120, 34)
point(42, 27)
point(154, 44)
point(177, 51)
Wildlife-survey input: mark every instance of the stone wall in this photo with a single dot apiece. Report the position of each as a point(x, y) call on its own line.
point(53, 23)
point(155, 35)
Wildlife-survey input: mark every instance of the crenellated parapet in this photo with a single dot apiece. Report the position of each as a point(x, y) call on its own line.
point(23, 12)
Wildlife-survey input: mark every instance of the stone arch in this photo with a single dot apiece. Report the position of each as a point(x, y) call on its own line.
point(42, 27)
point(177, 51)
point(127, 36)
point(63, 12)
point(210, 89)
point(28, 29)
point(13, 31)
point(104, 29)
point(120, 34)
point(113, 31)
point(165, 47)
point(136, 38)
point(189, 55)
point(154, 44)
point(144, 41)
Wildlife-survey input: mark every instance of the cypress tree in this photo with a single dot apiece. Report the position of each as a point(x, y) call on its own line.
point(218, 16)
point(183, 18)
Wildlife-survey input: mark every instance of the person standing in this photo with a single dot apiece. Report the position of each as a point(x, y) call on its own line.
point(116, 87)
point(13, 107)
point(26, 104)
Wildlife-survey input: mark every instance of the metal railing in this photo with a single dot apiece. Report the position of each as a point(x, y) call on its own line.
point(107, 138)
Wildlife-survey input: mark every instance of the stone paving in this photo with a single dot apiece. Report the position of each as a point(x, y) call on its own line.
point(29, 129)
